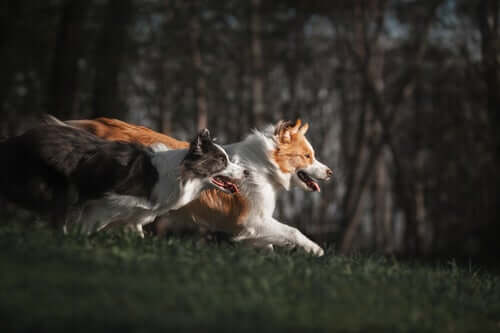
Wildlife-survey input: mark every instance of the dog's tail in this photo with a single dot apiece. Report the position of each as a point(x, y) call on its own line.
point(49, 119)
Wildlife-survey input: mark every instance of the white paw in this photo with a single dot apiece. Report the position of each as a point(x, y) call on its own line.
point(315, 249)
point(308, 245)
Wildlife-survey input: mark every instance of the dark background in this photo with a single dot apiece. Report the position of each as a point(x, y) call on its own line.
point(403, 98)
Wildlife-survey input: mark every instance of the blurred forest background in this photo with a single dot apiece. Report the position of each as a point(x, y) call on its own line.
point(403, 98)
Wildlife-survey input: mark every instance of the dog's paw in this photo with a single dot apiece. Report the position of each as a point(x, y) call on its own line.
point(315, 250)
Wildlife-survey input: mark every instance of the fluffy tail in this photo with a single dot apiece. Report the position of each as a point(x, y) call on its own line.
point(48, 119)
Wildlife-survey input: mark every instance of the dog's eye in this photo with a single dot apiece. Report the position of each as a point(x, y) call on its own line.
point(307, 155)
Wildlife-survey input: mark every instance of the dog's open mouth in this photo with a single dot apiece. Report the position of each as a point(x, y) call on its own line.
point(225, 183)
point(309, 181)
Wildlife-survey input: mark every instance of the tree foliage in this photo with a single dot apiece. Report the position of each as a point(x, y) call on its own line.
point(402, 97)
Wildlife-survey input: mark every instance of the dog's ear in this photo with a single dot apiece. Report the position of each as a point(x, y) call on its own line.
point(204, 135)
point(295, 128)
point(304, 129)
point(196, 144)
point(285, 130)
point(282, 131)
point(206, 139)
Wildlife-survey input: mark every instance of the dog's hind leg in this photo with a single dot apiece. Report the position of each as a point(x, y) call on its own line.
point(145, 219)
point(138, 228)
point(133, 228)
point(59, 213)
point(93, 217)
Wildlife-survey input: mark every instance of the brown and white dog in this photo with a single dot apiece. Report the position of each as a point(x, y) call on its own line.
point(278, 157)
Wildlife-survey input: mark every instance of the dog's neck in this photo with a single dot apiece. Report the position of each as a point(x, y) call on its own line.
point(174, 188)
point(255, 153)
point(189, 190)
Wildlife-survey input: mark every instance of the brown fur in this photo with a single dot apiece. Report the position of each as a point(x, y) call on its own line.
point(293, 151)
point(117, 130)
point(224, 211)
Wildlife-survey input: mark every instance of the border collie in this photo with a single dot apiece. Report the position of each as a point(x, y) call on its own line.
point(278, 157)
point(86, 183)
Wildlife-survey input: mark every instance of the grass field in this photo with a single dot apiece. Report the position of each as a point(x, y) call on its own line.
point(118, 283)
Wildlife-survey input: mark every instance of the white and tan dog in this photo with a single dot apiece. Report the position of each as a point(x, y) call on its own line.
point(277, 158)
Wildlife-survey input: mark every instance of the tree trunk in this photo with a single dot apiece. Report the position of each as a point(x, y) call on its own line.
point(293, 64)
point(257, 65)
point(385, 112)
point(381, 209)
point(488, 19)
point(165, 102)
point(200, 85)
point(110, 56)
point(9, 15)
point(63, 84)
point(490, 40)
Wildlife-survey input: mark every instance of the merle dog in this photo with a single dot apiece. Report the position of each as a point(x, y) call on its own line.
point(78, 180)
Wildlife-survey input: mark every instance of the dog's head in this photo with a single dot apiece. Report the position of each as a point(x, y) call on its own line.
point(295, 156)
point(210, 162)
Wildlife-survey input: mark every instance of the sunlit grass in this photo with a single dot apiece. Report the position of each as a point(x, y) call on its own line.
point(55, 283)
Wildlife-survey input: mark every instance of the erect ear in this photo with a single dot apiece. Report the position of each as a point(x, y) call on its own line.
point(204, 135)
point(196, 145)
point(282, 131)
point(285, 136)
point(295, 127)
point(304, 129)
point(206, 139)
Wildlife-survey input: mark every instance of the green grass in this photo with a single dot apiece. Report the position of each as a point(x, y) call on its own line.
point(55, 283)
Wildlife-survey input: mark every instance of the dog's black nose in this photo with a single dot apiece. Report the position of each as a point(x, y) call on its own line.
point(246, 173)
point(329, 172)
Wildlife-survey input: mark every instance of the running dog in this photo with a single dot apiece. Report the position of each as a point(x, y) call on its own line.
point(81, 181)
point(277, 158)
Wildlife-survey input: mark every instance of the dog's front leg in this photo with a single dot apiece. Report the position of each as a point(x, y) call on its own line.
point(272, 232)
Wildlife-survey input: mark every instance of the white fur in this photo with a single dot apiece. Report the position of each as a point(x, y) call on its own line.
point(317, 170)
point(158, 146)
point(266, 179)
point(170, 192)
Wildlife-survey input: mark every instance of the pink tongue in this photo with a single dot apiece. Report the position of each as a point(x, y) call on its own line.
point(315, 186)
point(216, 182)
point(234, 188)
